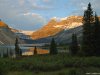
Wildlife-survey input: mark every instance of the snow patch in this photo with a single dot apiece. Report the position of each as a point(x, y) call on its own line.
point(26, 32)
point(73, 25)
point(63, 18)
point(69, 26)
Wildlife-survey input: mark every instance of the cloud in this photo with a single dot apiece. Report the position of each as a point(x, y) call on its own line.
point(37, 17)
point(21, 2)
point(81, 5)
point(42, 7)
point(18, 14)
point(47, 1)
point(28, 21)
point(32, 14)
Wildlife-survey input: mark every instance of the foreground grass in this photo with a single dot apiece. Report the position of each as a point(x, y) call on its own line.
point(66, 71)
point(61, 64)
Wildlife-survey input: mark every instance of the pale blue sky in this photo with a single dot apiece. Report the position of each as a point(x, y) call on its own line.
point(33, 14)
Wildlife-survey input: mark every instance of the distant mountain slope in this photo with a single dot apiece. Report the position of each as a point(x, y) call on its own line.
point(2, 24)
point(47, 30)
point(25, 32)
point(54, 27)
point(63, 37)
point(22, 34)
point(6, 35)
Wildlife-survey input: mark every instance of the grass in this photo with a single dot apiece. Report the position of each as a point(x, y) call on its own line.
point(60, 64)
point(65, 71)
point(20, 73)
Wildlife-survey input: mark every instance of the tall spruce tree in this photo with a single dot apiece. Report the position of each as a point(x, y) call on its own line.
point(53, 47)
point(17, 49)
point(74, 48)
point(96, 35)
point(87, 39)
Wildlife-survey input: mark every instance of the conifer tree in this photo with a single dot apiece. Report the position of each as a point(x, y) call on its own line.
point(35, 50)
point(96, 35)
point(20, 52)
point(87, 39)
point(17, 49)
point(53, 47)
point(74, 48)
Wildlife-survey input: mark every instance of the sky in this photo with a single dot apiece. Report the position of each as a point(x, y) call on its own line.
point(33, 14)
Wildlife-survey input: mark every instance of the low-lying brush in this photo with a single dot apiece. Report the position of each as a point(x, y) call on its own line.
point(48, 63)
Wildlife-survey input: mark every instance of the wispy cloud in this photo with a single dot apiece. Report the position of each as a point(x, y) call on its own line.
point(32, 14)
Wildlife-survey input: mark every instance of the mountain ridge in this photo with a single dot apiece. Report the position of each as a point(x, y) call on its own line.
point(53, 27)
point(6, 35)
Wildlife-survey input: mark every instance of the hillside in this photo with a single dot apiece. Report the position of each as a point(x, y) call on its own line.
point(47, 30)
point(66, 26)
point(25, 32)
point(6, 35)
point(53, 27)
point(63, 37)
point(22, 34)
point(2, 24)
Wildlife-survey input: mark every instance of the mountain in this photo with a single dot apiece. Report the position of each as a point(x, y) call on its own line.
point(47, 30)
point(6, 35)
point(26, 32)
point(67, 26)
point(22, 34)
point(54, 27)
point(63, 37)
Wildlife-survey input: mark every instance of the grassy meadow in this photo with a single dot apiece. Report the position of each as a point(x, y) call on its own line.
point(60, 64)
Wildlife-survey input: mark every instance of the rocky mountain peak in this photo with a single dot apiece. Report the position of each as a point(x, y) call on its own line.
point(53, 26)
point(2, 24)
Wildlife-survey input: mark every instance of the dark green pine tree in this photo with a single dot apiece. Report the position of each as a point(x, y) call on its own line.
point(20, 52)
point(96, 35)
point(74, 48)
point(17, 49)
point(35, 50)
point(53, 47)
point(87, 38)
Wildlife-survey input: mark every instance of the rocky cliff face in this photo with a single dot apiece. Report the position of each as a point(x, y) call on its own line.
point(6, 35)
point(54, 26)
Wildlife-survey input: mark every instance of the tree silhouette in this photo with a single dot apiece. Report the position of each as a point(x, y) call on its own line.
point(53, 47)
point(96, 35)
point(35, 50)
point(87, 40)
point(74, 48)
point(17, 49)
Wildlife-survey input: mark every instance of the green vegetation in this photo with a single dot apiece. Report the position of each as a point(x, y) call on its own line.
point(53, 47)
point(60, 63)
point(18, 51)
point(96, 35)
point(91, 33)
point(88, 20)
point(74, 48)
